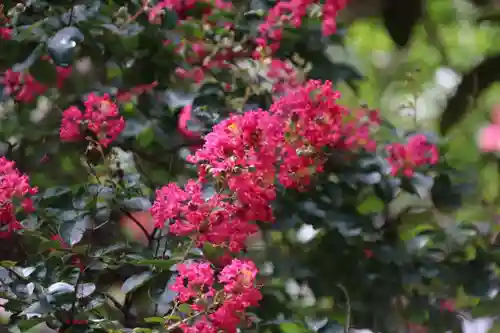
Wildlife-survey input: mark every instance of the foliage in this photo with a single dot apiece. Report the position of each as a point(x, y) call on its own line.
point(102, 102)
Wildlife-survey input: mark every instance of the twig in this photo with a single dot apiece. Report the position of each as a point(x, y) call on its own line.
point(123, 210)
point(347, 323)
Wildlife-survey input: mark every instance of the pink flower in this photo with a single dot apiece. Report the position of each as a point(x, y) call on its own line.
point(70, 126)
point(5, 33)
point(24, 88)
point(241, 293)
point(416, 153)
point(489, 138)
point(283, 75)
point(215, 220)
point(447, 305)
point(201, 326)
point(292, 12)
point(14, 186)
point(194, 281)
point(101, 116)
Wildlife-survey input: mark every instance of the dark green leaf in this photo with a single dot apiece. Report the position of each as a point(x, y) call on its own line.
point(135, 281)
point(419, 184)
point(472, 85)
point(164, 264)
point(85, 290)
point(72, 231)
point(44, 72)
point(63, 44)
point(146, 137)
point(400, 18)
point(137, 204)
point(170, 19)
point(60, 288)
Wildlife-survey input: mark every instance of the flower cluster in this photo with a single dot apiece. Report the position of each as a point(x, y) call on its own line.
point(205, 55)
point(25, 88)
point(417, 152)
point(182, 7)
point(223, 309)
point(246, 155)
point(215, 220)
point(101, 117)
point(292, 12)
point(283, 75)
point(14, 187)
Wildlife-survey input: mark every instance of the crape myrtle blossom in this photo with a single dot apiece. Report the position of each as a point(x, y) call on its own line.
point(214, 220)
point(14, 189)
point(100, 116)
point(292, 13)
point(246, 156)
point(417, 152)
point(23, 86)
point(223, 309)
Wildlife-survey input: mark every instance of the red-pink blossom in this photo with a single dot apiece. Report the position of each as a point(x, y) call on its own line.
point(101, 116)
point(417, 152)
point(5, 33)
point(241, 292)
point(195, 280)
point(24, 88)
point(215, 219)
point(283, 75)
point(13, 187)
point(292, 12)
point(489, 138)
point(225, 308)
point(202, 325)
point(447, 305)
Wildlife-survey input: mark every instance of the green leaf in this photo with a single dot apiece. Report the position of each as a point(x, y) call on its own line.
point(289, 327)
point(185, 308)
point(155, 320)
point(135, 281)
point(400, 18)
point(44, 72)
point(85, 290)
point(419, 184)
point(164, 264)
point(332, 327)
point(170, 19)
point(50, 244)
point(7, 263)
point(490, 180)
point(25, 325)
point(72, 231)
point(472, 85)
point(137, 204)
point(30, 60)
point(146, 137)
point(444, 195)
point(372, 204)
point(63, 44)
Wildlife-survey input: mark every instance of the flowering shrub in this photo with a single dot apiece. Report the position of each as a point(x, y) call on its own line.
point(109, 224)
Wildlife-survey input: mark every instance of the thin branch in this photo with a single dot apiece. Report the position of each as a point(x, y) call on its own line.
point(347, 323)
